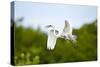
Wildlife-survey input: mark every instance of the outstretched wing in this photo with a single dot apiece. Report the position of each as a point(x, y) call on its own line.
point(51, 40)
point(67, 28)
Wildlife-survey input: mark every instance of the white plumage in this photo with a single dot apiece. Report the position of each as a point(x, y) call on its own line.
point(51, 42)
point(54, 34)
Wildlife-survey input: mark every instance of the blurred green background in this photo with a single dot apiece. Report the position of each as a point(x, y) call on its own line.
point(30, 46)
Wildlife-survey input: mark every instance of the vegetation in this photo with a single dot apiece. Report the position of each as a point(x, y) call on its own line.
point(30, 46)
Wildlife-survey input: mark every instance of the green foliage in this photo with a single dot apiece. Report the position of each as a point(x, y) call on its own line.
point(30, 46)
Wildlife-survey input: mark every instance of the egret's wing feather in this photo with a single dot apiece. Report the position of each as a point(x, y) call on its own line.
point(67, 28)
point(51, 40)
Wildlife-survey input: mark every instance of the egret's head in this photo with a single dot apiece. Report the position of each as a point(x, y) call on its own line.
point(49, 26)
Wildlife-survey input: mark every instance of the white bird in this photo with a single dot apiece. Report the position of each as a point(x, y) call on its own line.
point(54, 34)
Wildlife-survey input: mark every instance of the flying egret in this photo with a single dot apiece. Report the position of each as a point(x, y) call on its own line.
point(54, 34)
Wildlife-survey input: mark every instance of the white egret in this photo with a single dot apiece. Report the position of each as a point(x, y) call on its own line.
point(54, 34)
